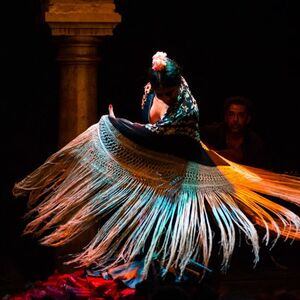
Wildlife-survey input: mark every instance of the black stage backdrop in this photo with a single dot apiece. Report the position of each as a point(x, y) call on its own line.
point(225, 48)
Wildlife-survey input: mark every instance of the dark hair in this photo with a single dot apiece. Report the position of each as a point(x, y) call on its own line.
point(242, 100)
point(168, 77)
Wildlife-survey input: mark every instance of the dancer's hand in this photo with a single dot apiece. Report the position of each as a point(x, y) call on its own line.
point(111, 111)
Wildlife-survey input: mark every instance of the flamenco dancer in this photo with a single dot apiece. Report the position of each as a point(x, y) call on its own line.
point(161, 200)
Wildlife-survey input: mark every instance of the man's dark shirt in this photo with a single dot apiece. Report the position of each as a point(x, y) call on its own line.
point(253, 147)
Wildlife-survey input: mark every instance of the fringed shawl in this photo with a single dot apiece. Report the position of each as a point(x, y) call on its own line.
point(152, 204)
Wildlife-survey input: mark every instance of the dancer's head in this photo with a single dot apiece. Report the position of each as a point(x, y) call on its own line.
point(165, 77)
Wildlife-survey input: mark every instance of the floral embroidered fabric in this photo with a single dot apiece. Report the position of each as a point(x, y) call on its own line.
point(181, 118)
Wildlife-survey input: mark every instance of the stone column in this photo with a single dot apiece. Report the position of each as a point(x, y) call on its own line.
point(79, 26)
point(78, 60)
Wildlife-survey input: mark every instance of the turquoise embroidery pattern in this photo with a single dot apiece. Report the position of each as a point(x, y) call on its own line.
point(181, 118)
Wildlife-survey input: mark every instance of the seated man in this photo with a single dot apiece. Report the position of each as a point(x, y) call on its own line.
point(233, 138)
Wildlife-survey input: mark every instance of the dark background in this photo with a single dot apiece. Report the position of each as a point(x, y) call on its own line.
point(225, 48)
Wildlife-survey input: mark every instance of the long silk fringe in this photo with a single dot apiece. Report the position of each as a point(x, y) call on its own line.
point(156, 205)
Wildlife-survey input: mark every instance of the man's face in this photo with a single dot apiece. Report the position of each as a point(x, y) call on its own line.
point(237, 118)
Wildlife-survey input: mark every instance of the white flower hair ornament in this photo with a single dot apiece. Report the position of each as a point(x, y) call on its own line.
point(159, 61)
